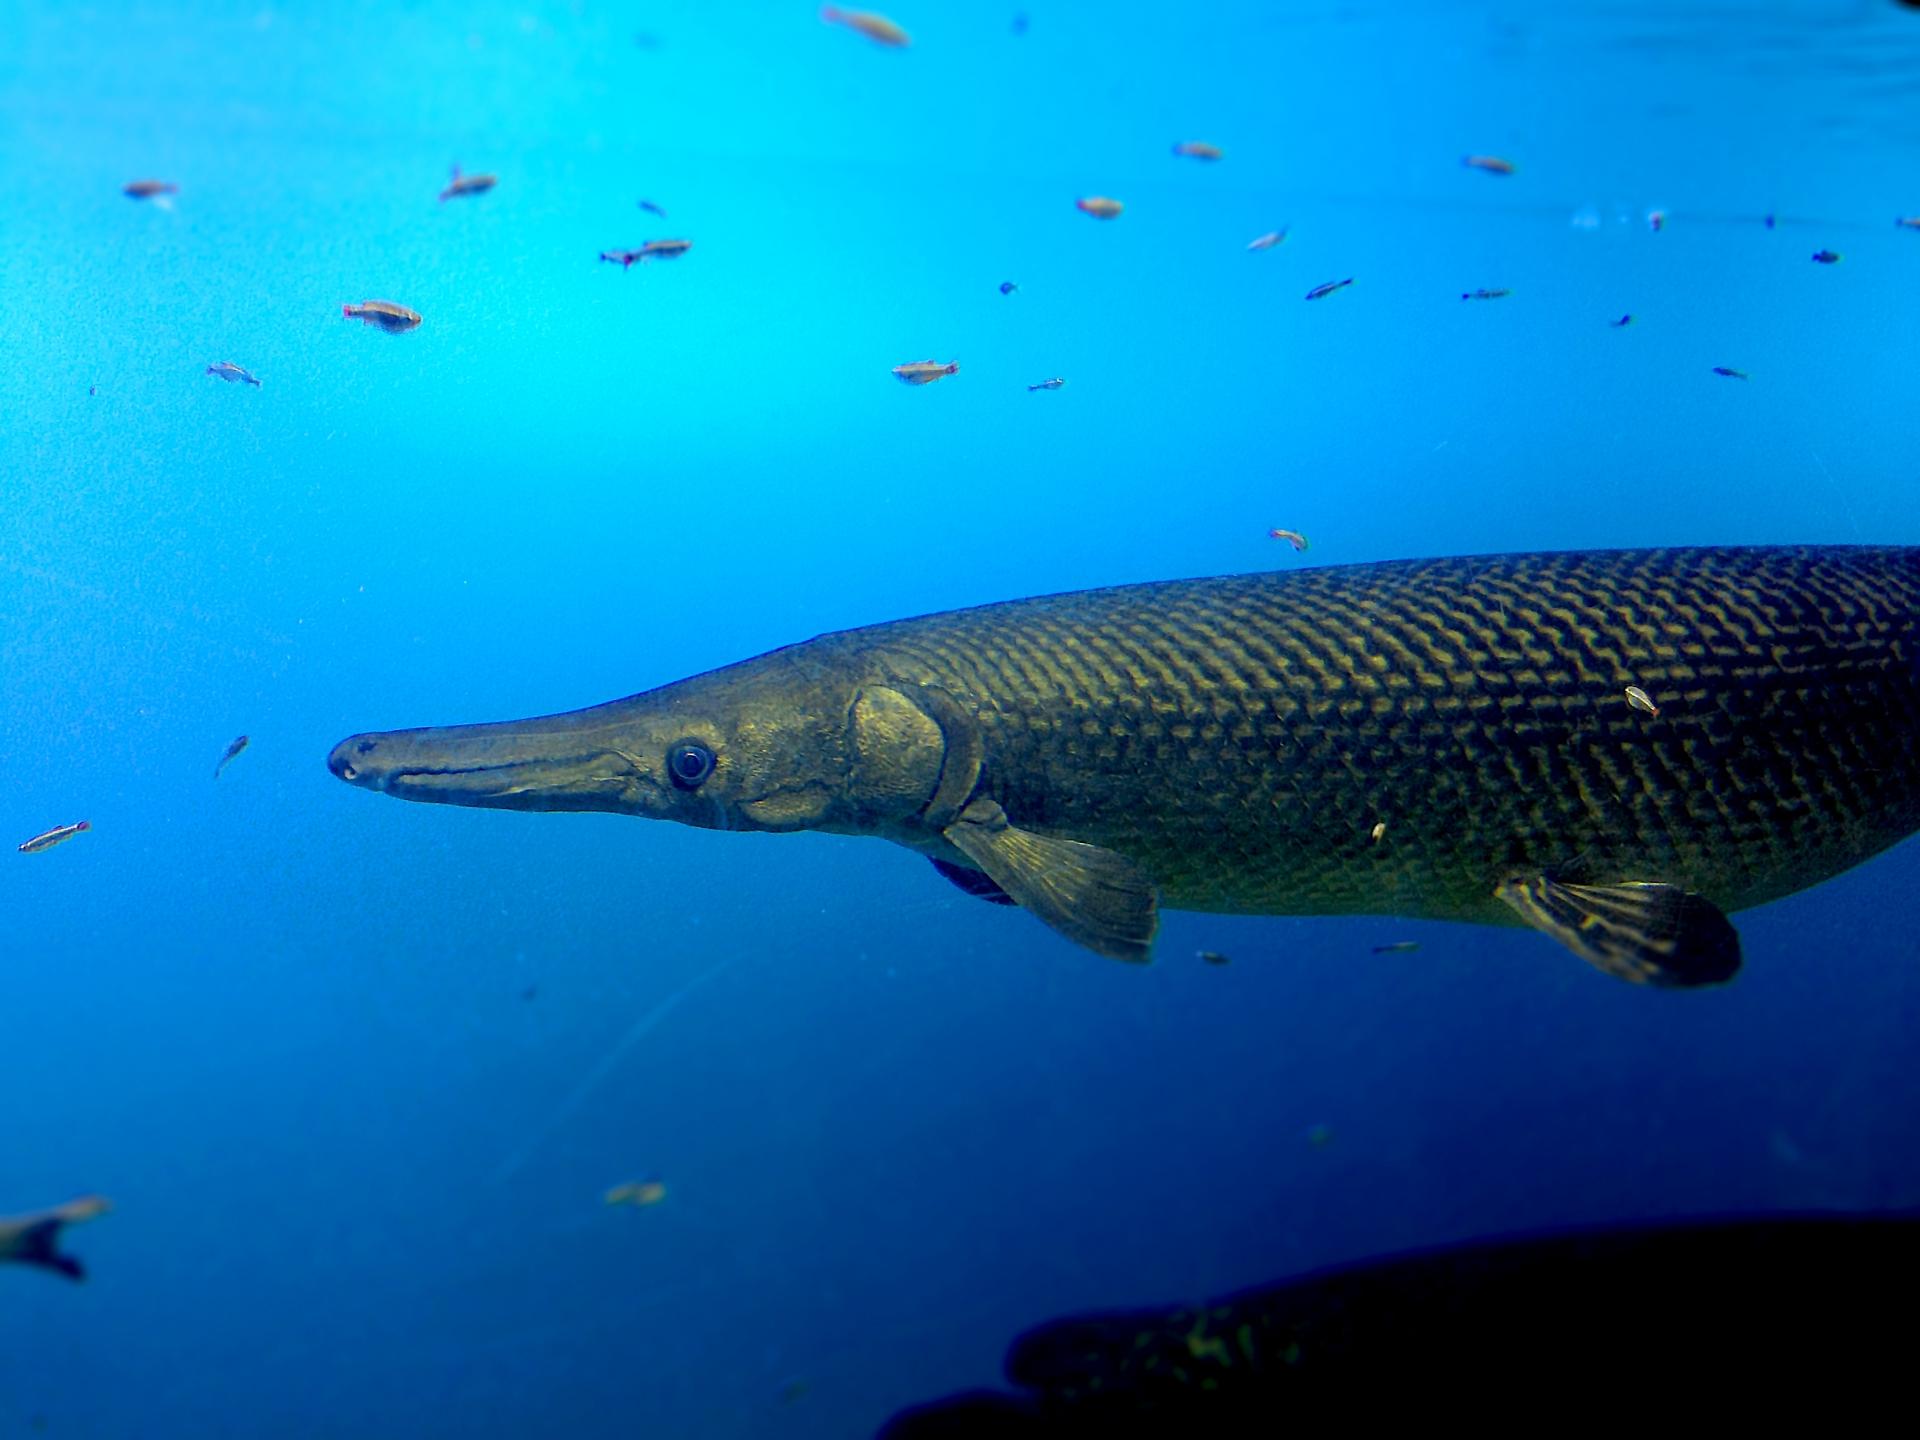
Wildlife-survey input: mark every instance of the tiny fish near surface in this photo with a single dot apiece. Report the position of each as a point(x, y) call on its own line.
point(392, 318)
point(1225, 745)
point(924, 372)
point(877, 28)
point(239, 744)
point(59, 835)
point(649, 250)
point(460, 185)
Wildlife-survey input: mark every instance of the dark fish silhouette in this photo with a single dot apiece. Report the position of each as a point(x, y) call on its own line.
point(35, 1239)
point(1733, 1314)
point(227, 759)
point(1230, 745)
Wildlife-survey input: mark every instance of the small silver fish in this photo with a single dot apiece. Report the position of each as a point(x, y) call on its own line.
point(924, 372)
point(47, 839)
point(1268, 240)
point(1054, 384)
point(467, 185)
point(232, 750)
point(1320, 292)
point(230, 372)
point(1639, 700)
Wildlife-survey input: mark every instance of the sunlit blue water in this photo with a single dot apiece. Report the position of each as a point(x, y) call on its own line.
point(356, 1073)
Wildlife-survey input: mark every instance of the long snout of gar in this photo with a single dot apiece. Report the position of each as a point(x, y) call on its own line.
point(573, 761)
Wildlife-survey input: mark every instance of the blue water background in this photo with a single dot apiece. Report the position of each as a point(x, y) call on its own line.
point(355, 1073)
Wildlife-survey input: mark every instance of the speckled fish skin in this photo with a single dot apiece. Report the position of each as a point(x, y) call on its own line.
point(1240, 739)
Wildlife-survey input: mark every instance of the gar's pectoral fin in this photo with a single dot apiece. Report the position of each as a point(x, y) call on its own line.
point(1649, 934)
point(1095, 897)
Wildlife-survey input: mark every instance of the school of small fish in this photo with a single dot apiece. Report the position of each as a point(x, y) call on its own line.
point(395, 318)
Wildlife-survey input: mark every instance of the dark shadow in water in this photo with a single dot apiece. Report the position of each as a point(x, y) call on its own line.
point(1740, 1313)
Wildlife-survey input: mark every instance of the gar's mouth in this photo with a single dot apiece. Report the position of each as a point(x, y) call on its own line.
point(447, 776)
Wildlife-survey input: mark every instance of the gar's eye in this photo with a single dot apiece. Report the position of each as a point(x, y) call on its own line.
point(689, 763)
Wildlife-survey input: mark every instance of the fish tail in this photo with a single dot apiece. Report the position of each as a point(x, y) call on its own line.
point(347, 310)
point(37, 1248)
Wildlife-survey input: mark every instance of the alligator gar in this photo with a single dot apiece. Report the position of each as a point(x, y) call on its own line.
point(1443, 738)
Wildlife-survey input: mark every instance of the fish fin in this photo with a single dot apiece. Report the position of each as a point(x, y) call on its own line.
point(1096, 898)
point(1650, 934)
point(976, 883)
point(35, 1246)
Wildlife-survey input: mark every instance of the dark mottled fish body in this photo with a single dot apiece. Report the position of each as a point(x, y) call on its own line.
point(1235, 744)
point(1627, 1318)
point(1240, 737)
